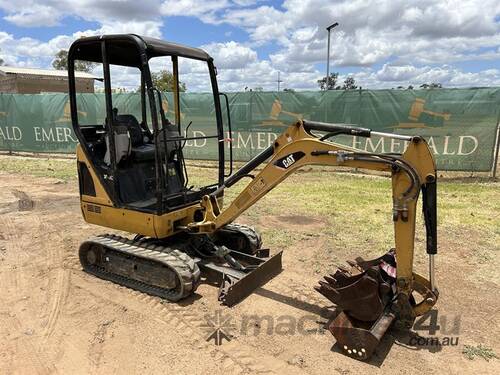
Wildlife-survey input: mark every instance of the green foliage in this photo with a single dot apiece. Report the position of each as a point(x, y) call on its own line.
point(433, 85)
point(61, 63)
point(330, 85)
point(471, 351)
point(349, 84)
point(164, 81)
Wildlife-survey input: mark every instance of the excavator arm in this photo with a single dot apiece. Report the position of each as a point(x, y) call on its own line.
point(412, 172)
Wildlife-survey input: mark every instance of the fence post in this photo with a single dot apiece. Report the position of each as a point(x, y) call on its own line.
point(497, 150)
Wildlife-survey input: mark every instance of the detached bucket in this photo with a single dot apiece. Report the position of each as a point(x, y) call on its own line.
point(363, 293)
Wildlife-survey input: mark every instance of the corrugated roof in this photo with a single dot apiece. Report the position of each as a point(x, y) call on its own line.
point(42, 72)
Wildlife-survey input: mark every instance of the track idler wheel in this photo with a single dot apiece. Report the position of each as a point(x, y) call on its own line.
point(362, 293)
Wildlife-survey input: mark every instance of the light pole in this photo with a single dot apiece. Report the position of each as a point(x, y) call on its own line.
point(329, 28)
point(279, 81)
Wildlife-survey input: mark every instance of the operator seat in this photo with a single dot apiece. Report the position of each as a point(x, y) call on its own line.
point(141, 151)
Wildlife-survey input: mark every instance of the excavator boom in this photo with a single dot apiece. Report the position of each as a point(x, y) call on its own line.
point(372, 294)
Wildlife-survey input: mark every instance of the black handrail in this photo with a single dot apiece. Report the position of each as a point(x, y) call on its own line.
point(230, 135)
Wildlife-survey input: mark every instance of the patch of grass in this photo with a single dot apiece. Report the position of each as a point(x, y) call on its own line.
point(64, 169)
point(278, 238)
point(355, 207)
point(472, 351)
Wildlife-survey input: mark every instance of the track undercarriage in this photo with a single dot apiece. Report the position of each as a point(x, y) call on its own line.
point(170, 268)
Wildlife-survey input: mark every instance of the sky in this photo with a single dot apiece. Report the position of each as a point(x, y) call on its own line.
point(381, 43)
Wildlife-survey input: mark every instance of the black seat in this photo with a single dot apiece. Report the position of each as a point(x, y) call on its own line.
point(145, 152)
point(140, 151)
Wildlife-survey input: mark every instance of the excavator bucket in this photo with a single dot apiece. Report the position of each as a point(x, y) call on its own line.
point(362, 293)
point(359, 339)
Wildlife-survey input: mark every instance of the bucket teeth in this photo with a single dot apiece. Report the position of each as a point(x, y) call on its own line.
point(330, 280)
point(355, 266)
point(361, 293)
point(345, 270)
point(328, 291)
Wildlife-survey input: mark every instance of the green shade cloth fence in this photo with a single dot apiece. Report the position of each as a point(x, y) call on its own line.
point(459, 124)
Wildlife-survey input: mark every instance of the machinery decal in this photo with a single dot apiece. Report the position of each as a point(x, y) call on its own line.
point(94, 208)
point(258, 185)
point(289, 160)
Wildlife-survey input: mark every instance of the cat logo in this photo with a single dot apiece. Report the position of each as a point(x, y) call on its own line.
point(289, 160)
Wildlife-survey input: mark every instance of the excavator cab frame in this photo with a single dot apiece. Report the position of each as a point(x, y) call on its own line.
point(136, 150)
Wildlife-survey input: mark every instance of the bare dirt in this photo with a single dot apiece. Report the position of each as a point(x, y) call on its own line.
point(54, 318)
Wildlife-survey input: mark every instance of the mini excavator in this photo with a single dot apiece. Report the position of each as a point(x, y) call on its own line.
point(132, 178)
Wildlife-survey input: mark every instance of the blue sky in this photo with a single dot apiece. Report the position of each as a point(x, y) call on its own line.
point(382, 43)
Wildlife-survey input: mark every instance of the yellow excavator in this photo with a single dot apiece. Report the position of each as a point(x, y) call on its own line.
point(133, 178)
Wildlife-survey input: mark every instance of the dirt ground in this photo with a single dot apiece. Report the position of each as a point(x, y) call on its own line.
point(54, 318)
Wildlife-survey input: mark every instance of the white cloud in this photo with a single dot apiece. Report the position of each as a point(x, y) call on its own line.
point(205, 10)
point(231, 55)
point(390, 76)
point(34, 15)
point(371, 32)
point(413, 42)
point(145, 28)
point(264, 23)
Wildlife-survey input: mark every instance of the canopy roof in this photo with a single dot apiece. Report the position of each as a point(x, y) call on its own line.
point(120, 49)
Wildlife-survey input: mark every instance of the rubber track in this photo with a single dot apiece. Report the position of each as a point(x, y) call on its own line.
point(250, 233)
point(184, 266)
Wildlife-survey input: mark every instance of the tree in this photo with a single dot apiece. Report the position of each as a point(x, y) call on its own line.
point(1, 60)
point(349, 84)
point(164, 81)
point(433, 85)
point(61, 63)
point(410, 87)
point(288, 90)
point(331, 83)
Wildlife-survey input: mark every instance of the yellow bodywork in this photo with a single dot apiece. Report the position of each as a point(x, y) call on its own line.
point(100, 210)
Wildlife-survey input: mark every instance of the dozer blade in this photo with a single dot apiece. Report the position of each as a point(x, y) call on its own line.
point(359, 339)
point(235, 285)
point(362, 293)
point(233, 290)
